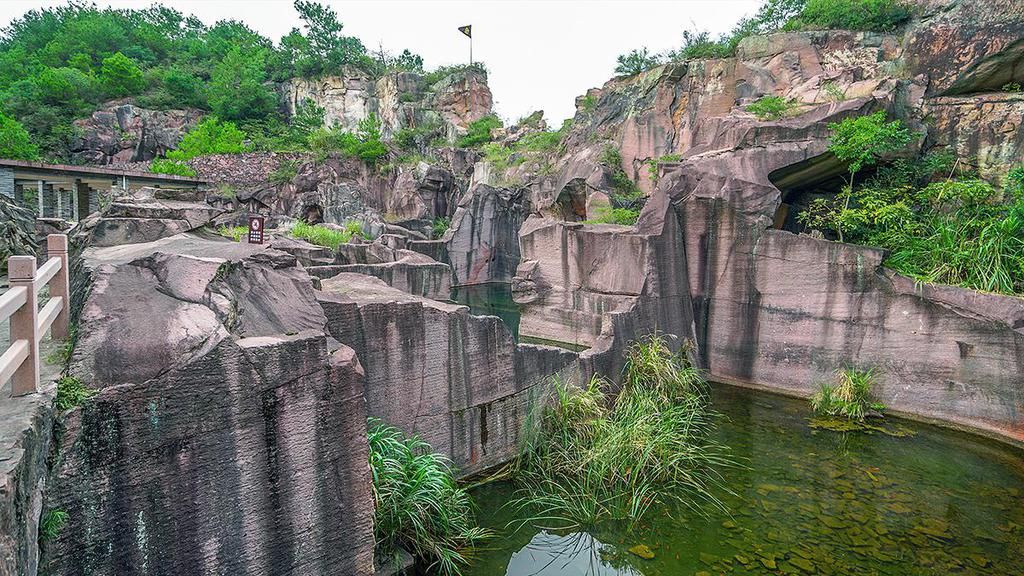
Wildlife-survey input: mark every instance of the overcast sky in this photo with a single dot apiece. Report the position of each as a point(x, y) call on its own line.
point(540, 54)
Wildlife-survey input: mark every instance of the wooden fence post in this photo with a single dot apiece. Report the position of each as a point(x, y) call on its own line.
point(57, 247)
point(21, 271)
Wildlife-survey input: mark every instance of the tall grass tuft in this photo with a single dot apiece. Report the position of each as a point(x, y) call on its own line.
point(593, 459)
point(850, 397)
point(325, 236)
point(418, 505)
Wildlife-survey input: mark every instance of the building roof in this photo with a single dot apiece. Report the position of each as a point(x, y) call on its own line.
point(34, 170)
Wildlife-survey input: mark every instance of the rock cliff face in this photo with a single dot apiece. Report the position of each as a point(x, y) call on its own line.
point(766, 307)
point(402, 100)
point(123, 132)
point(458, 381)
point(229, 434)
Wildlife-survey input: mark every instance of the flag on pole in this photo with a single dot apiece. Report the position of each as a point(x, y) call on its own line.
point(467, 30)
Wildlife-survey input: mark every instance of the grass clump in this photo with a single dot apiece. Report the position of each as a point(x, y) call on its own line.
point(479, 132)
point(610, 215)
point(51, 524)
point(593, 459)
point(71, 393)
point(440, 226)
point(328, 237)
point(849, 397)
point(285, 173)
point(173, 167)
point(770, 107)
point(417, 504)
point(234, 232)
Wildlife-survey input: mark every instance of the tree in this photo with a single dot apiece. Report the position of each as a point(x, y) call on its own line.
point(861, 141)
point(120, 76)
point(236, 86)
point(211, 136)
point(15, 142)
point(636, 62)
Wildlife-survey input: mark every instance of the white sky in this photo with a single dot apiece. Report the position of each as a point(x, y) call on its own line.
point(540, 54)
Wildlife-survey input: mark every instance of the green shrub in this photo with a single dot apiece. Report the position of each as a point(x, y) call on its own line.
point(120, 76)
point(834, 92)
point(592, 460)
point(211, 136)
point(165, 166)
point(609, 215)
point(442, 72)
point(879, 15)
point(850, 397)
point(417, 504)
point(328, 237)
point(71, 393)
point(1011, 87)
point(623, 187)
point(51, 524)
point(15, 142)
point(652, 164)
point(636, 62)
point(236, 233)
point(365, 144)
point(285, 173)
point(440, 227)
point(770, 107)
point(479, 132)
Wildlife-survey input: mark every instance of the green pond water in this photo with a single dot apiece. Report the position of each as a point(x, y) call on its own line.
point(908, 499)
point(494, 299)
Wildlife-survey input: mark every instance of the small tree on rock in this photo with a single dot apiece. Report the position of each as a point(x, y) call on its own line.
point(636, 62)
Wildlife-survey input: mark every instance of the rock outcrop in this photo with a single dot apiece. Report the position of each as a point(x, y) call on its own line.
point(483, 243)
point(228, 434)
point(17, 232)
point(122, 132)
point(458, 381)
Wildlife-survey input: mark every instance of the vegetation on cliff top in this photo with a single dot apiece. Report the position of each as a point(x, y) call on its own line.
point(593, 458)
point(773, 16)
point(938, 220)
point(58, 64)
point(418, 505)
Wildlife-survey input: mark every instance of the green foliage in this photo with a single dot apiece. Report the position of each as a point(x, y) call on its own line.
point(237, 89)
point(285, 173)
point(15, 141)
point(417, 138)
point(652, 164)
point(328, 237)
point(591, 459)
point(323, 49)
point(879, 15)
point(51, 524)
point(770, 107)
point(834, 92)
point(417, 504)
point(849, 398)
point(211, 136)
point(623, 187)
point(236, 233)
point(771, 16)
point(174, 167)
point(479, 132)
point(610, 215)
point(862, 140)
point(71, 393)
point(120, 76)
point(365, 144)
point(959, 231)
point(439, 227)
point(1011, 87)
point(636, 62)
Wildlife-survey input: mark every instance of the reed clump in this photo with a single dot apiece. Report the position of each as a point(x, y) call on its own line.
point(595, 457)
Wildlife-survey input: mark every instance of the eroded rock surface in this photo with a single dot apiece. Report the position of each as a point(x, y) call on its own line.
point(122, 132)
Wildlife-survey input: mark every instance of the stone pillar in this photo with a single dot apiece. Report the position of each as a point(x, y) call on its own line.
point(39, 197)
point(7, 182)
point(76, 201)
point(22, 273)
point(59, 212)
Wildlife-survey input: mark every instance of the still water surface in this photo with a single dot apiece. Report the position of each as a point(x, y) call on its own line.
point(925, 501)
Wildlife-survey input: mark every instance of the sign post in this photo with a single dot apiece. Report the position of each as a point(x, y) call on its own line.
point(256, 229)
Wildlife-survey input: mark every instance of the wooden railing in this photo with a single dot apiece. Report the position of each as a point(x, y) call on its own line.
point(28, 323)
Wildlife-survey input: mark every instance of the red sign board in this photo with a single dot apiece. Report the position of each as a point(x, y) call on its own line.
point(256, 229)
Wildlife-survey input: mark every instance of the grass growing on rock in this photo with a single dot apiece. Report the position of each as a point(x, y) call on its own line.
point(325, 236)
point(593, 459)
point(849, 397)
point(71, 393)
point(234, 232)
point(418, 505)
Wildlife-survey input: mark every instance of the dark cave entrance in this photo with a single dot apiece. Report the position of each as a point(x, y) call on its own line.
point(801, 183)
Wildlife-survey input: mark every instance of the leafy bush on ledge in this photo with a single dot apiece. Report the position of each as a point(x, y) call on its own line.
point(849, 397)
point(770, 107)
point(325, 236)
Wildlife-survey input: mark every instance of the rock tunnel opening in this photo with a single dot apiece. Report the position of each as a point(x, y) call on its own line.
point(801, 183)
point(313, 213)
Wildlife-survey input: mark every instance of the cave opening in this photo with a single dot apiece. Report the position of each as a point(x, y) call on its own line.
point(822, 176)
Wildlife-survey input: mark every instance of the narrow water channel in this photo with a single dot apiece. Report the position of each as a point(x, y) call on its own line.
point(910, 499)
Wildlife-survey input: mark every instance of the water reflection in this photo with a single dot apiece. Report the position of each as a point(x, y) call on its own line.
point(577, 554)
